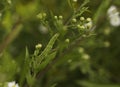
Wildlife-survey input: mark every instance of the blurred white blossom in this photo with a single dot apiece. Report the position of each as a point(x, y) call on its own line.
point(89, 23)
point(115, 21)
point(113, 15)
point(43, 29)
point(112, 10)
point(12, 84)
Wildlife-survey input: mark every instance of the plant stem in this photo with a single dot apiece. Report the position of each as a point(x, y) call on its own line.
point(11, 36)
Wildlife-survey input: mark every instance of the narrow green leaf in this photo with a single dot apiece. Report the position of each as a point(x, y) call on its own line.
point(27, 56)
point(69, 2)
point(30, 79)
point(25, 69)
point(47, 49)
point(47, 61)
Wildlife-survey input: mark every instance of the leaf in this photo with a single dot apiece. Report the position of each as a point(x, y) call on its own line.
point(70, 4)
point(30, 79)
point(25, 69)
point(47, 61)
point(48, 48)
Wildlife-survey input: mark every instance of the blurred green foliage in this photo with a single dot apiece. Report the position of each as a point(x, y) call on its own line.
point(94, 62)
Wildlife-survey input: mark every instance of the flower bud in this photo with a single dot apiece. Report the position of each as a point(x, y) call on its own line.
point(38, 46)
point(40, 16)
point(74, 20)
point(60, 17)
point(56, 17)
point(82, 18)
point(89, 19)
point(67, 40)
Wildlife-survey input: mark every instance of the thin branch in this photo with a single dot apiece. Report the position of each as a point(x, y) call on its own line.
point(74, 44)
point(11, 36)
point(67, 50)
point(70, 47)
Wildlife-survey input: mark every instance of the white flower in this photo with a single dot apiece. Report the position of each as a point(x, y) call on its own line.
point(43, 29)
point(12, 84)
point(112, 10)
point(115, 21)
point(89, 25)
point(113, 15)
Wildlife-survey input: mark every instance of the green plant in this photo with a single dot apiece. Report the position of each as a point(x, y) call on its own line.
point(58, 43)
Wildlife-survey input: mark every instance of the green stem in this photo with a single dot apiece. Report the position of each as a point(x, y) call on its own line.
point(11, 36)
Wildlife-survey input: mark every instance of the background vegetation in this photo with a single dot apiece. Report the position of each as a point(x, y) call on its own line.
point(65, 56)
